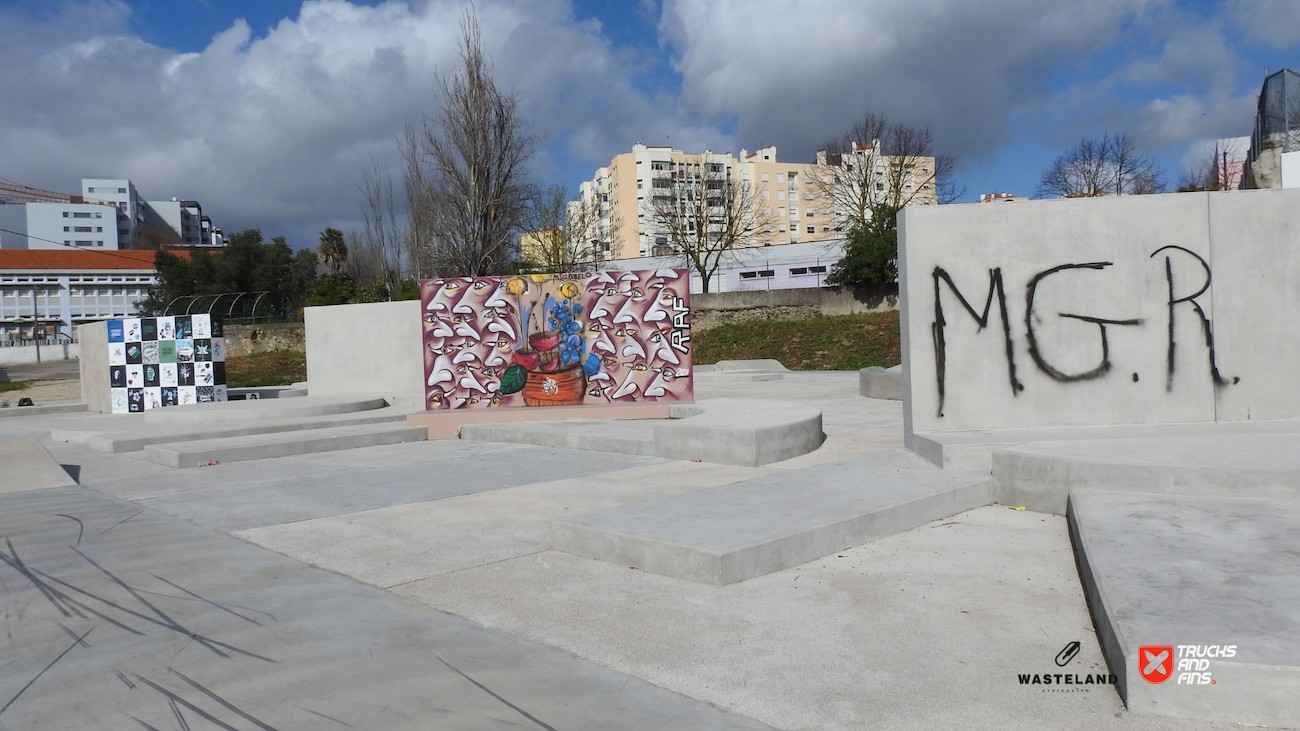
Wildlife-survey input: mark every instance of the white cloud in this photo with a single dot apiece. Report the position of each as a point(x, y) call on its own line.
point(276, 131)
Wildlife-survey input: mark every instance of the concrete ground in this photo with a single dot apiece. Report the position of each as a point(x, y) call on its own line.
point(926, 629)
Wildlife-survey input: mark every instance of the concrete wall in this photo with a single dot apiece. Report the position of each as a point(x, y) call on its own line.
point(1102, 343)
point(714, 309)
point(15, 354)
point(93, 339)
point(248, 339)
point(366, 350)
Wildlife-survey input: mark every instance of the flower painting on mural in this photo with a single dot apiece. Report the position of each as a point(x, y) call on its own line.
point(557, 339)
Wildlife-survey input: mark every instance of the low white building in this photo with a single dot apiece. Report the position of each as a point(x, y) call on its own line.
point(45, 293)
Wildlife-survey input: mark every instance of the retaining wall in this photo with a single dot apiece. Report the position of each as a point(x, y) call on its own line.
point(720, 308)
point(366, 350)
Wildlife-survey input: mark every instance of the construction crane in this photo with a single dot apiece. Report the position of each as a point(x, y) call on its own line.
point(13, 193)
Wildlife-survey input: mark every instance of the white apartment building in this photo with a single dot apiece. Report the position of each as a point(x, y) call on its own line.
point(110, 215)
point(795, 199)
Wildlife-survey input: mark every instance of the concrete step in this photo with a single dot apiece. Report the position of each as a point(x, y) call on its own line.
point(265, 446)
point(136, 439)
point(730, 533)
point(881, 383)
point(276, 408)
point(39, 410)
point(1170, 570)
point(1041, 476)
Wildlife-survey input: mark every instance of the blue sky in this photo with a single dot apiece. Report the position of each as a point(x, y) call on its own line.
point(271, 112)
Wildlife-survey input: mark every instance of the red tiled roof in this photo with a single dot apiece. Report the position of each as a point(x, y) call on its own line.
point(75, 259)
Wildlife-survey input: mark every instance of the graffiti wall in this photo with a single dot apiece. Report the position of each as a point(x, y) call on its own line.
point(165, 361)
point(557, 340)
point(1136, 310)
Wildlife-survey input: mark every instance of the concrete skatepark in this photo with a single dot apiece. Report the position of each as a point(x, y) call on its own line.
point(556, 575)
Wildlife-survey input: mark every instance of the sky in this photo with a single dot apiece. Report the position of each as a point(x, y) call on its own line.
point(271, 112)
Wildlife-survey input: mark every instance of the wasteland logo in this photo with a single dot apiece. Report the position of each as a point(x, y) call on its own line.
point(1060, 680)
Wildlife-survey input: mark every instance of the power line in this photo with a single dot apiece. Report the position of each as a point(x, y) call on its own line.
point(70, 246)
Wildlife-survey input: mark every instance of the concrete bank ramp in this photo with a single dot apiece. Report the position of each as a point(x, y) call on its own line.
point(284, 444)
point(1183, 572)
point(27, 465)
point(741, 371)
point(730, 533)
point(881, 383)
point(734, 431)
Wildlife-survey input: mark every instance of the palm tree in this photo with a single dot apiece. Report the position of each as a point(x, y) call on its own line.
point(332, 251)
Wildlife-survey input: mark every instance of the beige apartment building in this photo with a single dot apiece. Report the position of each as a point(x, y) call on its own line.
point(795, 199)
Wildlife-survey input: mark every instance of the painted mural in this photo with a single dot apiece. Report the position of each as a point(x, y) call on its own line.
point(557, 339)
point(165, 361)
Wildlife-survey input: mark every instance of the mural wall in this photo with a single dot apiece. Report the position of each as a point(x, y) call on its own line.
point(165, 361)
point(557, 339)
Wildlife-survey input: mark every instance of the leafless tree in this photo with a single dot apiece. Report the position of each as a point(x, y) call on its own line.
point(1110, 165)
point(567, 236)
point(1215, 170)
point(704, 214)
point(382, 233)
point(473, 197)
point(418, 197)
point(878, 167)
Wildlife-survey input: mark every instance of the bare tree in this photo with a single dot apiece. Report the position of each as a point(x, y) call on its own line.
point(1220, 169)
point(567, 236)
point(419, 196)
point(878, 167)
point(1110, 165)
point(704, 215)
point(475, 194)
point(382, 233)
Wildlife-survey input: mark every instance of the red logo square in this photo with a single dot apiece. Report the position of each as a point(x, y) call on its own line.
point(1156, 662)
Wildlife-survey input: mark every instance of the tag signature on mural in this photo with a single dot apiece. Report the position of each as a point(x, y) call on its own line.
point(557, 339)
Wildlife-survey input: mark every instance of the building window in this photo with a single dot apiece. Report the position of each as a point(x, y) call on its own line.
point(99, 229)
point(767, 227)
point(121, 190)
point(766, 273)
point(780, 210)
point(782, 228)
point(812, 229)
point(65, 214)
point(65, 228)
point(798, 271)
point(99, 215)
point(748, 275)
point(817, 270)
point(81, 215)
point(794, 178)
point(880, 186)
point(812, 212)
point(780, 177)
point(84, 243)
point(764, 177)
point(767, 195)
point(780, 195)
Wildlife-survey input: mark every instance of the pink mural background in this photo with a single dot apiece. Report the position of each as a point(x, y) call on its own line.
point(557, 339)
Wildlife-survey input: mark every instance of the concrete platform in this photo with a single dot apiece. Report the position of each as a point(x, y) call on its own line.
point(881, 383)
point(973, 450)
point(1178, 571)
point(265, 446)
point(722, 535)
point(737, 376)
point(446, 423)
point(41, 410)
point(261, 409)
point(136, 439)
point(744, 432)
point(27, 465)
point(1040, 476)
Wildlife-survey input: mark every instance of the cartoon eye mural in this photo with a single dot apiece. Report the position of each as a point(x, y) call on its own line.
point(479, 285)
point(451, 286)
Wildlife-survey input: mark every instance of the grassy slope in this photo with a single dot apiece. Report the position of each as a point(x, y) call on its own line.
point(273, 368)
point(843, 342)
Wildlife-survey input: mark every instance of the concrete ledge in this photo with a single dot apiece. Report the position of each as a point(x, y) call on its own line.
point(446, 423)
point(134, 440)
point(1177, 570)
point(261, 409)
point(242, 449)
point(881, 383)
point(737, 376)
point(1041, 476)
point(619, 437)
point(746, 432)
point(973, 449)
point(752, 364)
point(27, 465)
point(731, 533)
point(40, 410)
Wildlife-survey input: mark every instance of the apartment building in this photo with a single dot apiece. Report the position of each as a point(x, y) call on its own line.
point(794, 202)
point(110, 215)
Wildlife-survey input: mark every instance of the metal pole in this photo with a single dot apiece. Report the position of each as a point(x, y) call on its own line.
point(36, 320)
